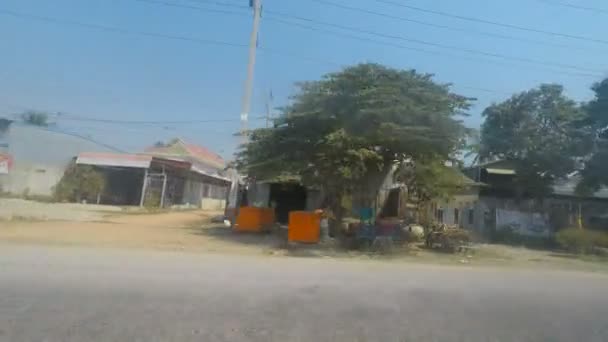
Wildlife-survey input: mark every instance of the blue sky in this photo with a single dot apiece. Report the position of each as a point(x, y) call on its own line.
point(60, 67)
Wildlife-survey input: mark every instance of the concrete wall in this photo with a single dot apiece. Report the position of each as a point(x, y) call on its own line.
point(213, 204)
point(193, 192)
point(208, 196)
point(26, 178)
point(465, 203)
point(527, 215)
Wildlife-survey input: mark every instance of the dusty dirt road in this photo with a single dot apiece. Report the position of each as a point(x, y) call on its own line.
point(100, 294)
point(188, 231)
point(192, 232)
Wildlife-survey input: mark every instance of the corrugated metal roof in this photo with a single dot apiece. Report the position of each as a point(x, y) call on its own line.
point(203, 172)
point(567, 187)
point(114, 159)
point(139, 161)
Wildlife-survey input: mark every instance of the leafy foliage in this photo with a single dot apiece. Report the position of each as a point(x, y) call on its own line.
point(595, 173)
point(35, 118)
point(429, 179)
point(541, 131)
point(347, 130)
point(79, 182)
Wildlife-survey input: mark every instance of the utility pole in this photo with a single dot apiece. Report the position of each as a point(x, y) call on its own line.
point(256, 5)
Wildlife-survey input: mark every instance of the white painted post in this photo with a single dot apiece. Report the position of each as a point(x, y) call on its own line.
point(162, 193)
point(143, 188)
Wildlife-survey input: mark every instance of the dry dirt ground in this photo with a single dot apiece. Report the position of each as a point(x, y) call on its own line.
point(192, 231)
point(189, 231)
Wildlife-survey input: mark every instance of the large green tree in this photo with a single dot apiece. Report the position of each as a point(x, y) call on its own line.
point(595, 172)
point(346, 131)
point(541, 131)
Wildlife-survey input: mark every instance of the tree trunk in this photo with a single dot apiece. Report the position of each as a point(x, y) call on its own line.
point(334, 204)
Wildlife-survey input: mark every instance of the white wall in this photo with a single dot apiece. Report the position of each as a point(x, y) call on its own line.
point(31, 178)
point(40, 157)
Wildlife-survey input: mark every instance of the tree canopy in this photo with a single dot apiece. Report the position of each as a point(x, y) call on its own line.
point(541, 131)
point(342, 131)
point(595, 172)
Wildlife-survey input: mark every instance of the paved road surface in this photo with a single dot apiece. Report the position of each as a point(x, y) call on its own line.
point(71, 294)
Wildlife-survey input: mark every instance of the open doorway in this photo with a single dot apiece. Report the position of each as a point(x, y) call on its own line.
point(286, 197)
point(391, 205)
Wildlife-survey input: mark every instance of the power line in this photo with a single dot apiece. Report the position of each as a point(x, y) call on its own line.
point(456, 29)
point(471, 19)
point(434, 53)
point(574, 6)
point(418, 41)
point(495, 23)
point(221, 3)
point(117, 29)
point(60, 115)
point(154, 122)
point(155, 35)
point(424, 42)
point(264, 50)
point(214, 10)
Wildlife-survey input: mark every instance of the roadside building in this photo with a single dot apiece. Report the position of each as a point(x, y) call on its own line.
point(33, 158)
point(179, 174)
point(460, 208)
point(501, 205)
point(284, 194)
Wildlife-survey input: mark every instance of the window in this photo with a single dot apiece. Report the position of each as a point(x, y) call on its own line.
point(439, 215)
point(456, 216)
point(471, 216)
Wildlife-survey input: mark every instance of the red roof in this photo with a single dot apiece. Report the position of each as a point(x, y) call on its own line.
point(199, 153)
point(204, 153)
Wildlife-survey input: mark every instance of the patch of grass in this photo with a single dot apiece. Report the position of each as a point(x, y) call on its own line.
point(582, 241)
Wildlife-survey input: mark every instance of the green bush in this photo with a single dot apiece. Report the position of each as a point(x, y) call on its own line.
point(582, 241)
point(451, 239)
point(79, 182)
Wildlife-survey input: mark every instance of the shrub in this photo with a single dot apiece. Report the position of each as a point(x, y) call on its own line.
point(449, 239)
point(582, 241)
point(79, 182)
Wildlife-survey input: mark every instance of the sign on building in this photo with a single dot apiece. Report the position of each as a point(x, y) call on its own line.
point(6, 161)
